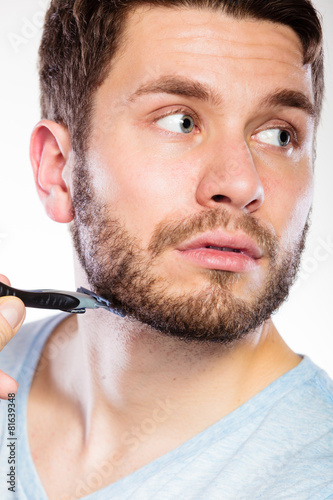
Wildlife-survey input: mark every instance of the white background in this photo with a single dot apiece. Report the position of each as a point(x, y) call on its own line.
point(36, 252)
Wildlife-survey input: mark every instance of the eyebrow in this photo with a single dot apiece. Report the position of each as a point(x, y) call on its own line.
point(178, 86)
point(290, 99)
point(195, 89)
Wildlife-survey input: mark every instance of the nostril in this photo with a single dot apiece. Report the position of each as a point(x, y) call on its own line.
point(219, 197)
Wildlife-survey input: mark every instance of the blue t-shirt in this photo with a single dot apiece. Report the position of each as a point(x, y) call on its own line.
point(277, 445)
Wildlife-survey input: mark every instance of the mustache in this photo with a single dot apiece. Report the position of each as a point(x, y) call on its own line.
point(171, 233)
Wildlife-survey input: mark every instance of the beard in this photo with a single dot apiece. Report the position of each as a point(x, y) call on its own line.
point(121, 271)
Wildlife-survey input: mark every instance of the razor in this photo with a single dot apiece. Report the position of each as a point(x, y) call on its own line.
point(71, 302)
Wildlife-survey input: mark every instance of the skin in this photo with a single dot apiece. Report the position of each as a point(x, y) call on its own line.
point(13, 310)
point(109, 372)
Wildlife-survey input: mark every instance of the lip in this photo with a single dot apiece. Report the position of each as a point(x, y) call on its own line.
point(245, 260)
point(237, 241)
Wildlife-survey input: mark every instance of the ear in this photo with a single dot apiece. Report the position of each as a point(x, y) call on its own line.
point(50, 147)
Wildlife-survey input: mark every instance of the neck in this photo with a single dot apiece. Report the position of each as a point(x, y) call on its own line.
point(119, 378)
point(119, 373)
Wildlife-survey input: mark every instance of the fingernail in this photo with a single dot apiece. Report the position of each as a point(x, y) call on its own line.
point(12, 311)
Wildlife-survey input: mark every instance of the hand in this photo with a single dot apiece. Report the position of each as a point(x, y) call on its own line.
point(12, 315)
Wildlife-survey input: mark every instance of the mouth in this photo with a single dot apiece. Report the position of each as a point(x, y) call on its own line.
point(223, 251)
point(226, 249)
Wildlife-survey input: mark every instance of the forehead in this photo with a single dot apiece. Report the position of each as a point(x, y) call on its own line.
point(209, 46)
point(151, 26)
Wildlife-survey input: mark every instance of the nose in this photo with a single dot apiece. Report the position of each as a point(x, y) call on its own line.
point(229, 176)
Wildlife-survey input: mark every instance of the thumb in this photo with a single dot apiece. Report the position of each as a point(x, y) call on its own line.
point(12, 315)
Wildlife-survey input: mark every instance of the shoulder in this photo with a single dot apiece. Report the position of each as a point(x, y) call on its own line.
point(302, 415)
point(28, 341)
point(297, 423)
point(292, 437)
point(305, 427)
point(307, 392)
point(315, 393)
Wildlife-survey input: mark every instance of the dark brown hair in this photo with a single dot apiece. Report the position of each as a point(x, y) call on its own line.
point(81, 37)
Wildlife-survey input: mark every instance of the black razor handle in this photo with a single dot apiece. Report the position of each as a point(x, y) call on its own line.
point(44, 300)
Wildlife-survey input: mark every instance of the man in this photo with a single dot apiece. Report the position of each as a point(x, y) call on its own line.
point(178, 142)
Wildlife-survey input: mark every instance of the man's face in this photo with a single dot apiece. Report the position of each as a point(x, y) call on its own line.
point(233, 160)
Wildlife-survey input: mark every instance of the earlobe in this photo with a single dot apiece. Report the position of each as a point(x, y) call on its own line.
point(50, 148)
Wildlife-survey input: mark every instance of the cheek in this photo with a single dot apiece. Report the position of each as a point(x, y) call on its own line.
point(288, 202)
point(142, 188)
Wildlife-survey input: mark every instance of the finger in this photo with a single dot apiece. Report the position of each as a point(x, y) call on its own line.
point(4, 279)
point(7, 385)
point(12, 315)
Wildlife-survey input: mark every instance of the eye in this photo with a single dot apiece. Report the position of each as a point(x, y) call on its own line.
point(177, 122)
point(275, 137)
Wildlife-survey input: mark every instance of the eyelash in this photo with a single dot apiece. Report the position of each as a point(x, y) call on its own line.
point(294, 139)
point(184, 111)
